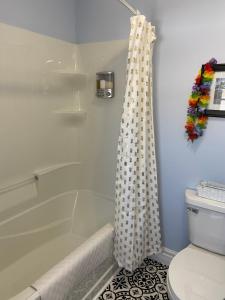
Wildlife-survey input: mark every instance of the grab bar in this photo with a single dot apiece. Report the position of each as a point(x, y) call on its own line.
point(51, 169)
point(18, 184)
point(35, 177)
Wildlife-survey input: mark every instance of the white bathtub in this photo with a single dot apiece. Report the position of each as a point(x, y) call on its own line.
point(38, 242)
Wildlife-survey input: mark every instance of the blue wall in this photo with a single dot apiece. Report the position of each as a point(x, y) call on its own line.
point(189, 34)
point(55, 18)
point(105, 20)
point(95, 21)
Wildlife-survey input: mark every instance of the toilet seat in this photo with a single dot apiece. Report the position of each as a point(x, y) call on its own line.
point(196, 274)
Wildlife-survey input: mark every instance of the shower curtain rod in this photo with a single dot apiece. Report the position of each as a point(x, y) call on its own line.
point(131, 8)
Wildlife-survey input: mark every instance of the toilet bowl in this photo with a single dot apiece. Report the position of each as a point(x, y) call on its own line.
point(196, 274)
point(198, 271)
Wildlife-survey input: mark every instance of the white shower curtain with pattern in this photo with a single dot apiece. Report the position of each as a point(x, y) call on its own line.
point(137, 224)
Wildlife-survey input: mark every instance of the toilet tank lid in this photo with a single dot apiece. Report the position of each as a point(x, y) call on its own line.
point(193, 199)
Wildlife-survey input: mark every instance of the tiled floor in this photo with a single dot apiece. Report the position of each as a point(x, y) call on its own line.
point(148, 282)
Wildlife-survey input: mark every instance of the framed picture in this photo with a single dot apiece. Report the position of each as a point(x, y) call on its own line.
point(216, 106)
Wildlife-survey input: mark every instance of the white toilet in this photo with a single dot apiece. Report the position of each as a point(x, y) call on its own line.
point(198, 271)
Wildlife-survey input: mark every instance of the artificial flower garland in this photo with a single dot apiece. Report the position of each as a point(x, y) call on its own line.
point(199, 100)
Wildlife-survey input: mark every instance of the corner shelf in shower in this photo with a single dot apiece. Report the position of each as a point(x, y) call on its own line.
point(78, 113)
point(71, 74)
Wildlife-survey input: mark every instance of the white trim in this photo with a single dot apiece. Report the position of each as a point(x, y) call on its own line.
point(165, 256)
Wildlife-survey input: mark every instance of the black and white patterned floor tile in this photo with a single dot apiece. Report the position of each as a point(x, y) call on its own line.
point(148, 282)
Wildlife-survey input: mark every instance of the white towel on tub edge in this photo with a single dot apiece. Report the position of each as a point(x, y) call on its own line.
point(58, 282)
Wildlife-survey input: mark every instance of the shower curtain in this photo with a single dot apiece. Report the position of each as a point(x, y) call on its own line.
point(137, 225)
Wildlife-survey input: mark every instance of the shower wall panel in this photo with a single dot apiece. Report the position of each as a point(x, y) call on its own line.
point(100, 132)
point(32, 135)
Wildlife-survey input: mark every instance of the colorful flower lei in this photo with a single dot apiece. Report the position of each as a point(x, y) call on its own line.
point(199, 100)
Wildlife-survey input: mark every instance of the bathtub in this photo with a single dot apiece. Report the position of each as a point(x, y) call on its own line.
point(42, 244)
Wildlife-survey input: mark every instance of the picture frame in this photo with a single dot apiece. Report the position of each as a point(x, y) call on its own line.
point(216, 107)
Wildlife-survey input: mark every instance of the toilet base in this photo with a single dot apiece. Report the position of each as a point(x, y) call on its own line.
point(169, 290)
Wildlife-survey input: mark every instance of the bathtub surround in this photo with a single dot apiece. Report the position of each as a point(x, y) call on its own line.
point(31, 89)
point(137, 226)
point(34, 84)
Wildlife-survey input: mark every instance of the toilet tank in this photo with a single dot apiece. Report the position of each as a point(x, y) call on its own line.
point(206, 220)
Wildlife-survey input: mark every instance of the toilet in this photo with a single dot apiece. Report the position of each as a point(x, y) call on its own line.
point(198, 271)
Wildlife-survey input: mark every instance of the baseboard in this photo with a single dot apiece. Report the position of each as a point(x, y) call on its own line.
point(165, 256)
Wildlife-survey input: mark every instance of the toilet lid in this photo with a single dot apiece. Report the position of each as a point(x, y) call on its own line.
point(197, 274)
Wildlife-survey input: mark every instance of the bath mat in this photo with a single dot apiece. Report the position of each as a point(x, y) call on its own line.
point(148, 282)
